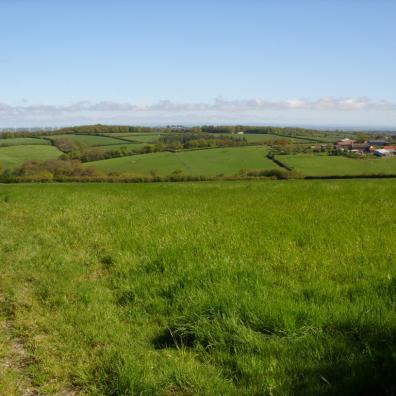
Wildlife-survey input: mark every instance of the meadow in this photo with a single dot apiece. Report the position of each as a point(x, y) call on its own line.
point(137, 137)
point(211, 162)
point(211, 288)
point(325, 165)
point(128, 145)
point(22, 141)
point(263, 138)
point(89, 140)
point(12, 156)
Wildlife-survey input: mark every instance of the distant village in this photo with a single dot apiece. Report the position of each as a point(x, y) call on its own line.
point(380, 148)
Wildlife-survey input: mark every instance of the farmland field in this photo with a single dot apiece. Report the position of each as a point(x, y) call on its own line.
point(260, 137)
point(22, 141)
point(89, 140)
point(221, 288)
point(256, 138)
point(13, 156)
point(322, 138)
point(228, 161)
point(324, 165)
point(128, 145)
point(140, 137)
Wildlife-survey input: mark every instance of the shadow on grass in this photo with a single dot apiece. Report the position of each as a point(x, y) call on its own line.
point(363, 376)
point(368, 369)
point(353, 361)
point(169, 338)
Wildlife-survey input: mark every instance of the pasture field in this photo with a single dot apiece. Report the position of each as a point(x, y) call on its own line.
point(211, 162)
point(13, 156)
point(325, 165)
point(89, 140)
point(140, 137)
point(22, 141)
point(320, 138)
point(261, 137)
point(217, 288)
point(257, 138)
point(128, 145)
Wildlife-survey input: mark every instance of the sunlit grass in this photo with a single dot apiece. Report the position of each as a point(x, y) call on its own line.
point(325, 165)
point(203, 288)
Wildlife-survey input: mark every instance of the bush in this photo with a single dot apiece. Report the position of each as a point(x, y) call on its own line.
point(277, 173)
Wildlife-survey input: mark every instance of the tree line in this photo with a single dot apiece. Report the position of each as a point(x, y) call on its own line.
point(200, 140)
point(225, 129)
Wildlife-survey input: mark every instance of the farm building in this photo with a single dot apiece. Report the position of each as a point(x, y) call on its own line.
point(384, 152)
point(377, 143)
point(344, 144)
point(360, 147)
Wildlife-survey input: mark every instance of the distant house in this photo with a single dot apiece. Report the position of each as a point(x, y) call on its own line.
point(240, 133)
point(344, 144)
point(378, 143)
point(392, 148)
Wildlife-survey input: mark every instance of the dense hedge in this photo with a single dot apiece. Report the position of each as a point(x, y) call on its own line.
point(271, 156)
point(363, 176)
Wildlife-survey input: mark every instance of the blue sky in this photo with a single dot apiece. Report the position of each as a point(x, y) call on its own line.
point(279, 62)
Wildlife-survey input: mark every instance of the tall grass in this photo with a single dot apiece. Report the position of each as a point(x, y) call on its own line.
point(202, 288)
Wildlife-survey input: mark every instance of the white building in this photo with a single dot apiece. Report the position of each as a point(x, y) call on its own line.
point(383, 152)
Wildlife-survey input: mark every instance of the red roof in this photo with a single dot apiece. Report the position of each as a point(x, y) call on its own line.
point(390, 147)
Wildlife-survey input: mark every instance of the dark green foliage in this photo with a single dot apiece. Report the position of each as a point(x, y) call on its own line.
point(199, 140)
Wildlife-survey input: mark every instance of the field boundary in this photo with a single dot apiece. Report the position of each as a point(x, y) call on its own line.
point(112, 137)
point(373, 176)
point(182, 179)
point(271, 156)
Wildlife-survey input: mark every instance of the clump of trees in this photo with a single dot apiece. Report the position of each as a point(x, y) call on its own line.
point(281, 131)
point(69, 146)
point(199, 140)
point(100, 129)
point(270, 173)
point(51, 170)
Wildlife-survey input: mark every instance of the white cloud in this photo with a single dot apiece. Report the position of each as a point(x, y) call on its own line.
point(166, 109)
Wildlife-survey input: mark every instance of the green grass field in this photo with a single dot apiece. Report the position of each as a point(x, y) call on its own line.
point(22, 141)
point(128, 145)
point(89, 140)
point(13, 156)
point(218, 288)
point(227, 161)
point(262, 138)
point(324, 165)
point(141, 137)
point(331, 138)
